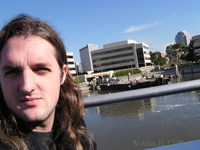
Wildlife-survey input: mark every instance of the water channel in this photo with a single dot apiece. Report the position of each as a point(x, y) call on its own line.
point(148, 123)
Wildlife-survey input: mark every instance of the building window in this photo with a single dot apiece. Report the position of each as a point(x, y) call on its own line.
point(71, 63)
point(72, 69)
point(111, 51)
point(145, 47)
point(69, 56)
point(116, 62)
point(113, 57)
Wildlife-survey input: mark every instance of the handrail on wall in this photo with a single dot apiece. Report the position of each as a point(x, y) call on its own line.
point(144, 93)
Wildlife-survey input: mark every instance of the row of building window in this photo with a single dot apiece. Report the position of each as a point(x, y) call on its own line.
point(69, 56)
point(146, 52)
point(114, 62)
point(112, 51)
point(145, 47)
point(112, 57)
point(147, 58)
point(117, 68)
point(71, 63)
point(72, 69)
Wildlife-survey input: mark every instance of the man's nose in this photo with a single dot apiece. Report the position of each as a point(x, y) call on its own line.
point(27, 81)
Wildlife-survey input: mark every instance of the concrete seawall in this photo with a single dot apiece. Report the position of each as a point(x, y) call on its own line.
point(183, 70)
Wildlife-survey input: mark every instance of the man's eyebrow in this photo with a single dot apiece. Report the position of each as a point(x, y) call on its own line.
point(8, 67)
point(41, 65)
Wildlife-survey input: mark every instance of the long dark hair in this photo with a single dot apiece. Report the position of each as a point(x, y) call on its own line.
point(69, 131)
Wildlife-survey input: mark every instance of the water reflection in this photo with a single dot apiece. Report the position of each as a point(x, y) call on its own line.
point(128, 109)
point(146, 123)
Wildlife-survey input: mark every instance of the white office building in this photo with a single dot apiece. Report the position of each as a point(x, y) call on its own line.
point(70, 63)
point(85, 55)
point(143, 55)
point(121, 55)
point(196, 45)
point(79, 67)
point(183, 37)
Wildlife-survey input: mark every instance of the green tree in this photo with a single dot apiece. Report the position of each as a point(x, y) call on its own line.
point(175, 53)
point(189, 56)
point(157, 59)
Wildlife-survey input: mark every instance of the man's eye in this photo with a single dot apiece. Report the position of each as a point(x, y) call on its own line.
point(11, 72)
point(41, 70)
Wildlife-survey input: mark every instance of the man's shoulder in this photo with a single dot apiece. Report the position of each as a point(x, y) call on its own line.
point(4, 146)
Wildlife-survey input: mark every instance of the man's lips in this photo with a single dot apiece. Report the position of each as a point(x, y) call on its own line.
point(30, 101)
point(30, 98)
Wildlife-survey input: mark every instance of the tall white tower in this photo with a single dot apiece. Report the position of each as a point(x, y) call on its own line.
point(86, 59)
point(183, 37)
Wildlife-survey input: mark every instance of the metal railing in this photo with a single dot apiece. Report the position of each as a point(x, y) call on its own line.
point(144, 93)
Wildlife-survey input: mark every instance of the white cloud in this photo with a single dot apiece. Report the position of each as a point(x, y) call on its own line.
point(140, 27)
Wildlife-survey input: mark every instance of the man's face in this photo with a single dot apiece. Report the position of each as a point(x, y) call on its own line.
point(30, 78)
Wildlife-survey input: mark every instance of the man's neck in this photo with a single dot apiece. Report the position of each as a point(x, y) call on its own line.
point(42, 128)
point(37, 126)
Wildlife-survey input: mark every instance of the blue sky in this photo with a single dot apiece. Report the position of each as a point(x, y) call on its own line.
point(81, 22)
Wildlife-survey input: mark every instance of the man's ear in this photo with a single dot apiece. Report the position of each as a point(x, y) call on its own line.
point(64, 73)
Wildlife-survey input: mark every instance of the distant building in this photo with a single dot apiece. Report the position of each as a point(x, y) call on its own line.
point(143, 55)
point(196, 45)
point(70, 63)
point(79, 67)
point(183, 37)
point(121, 55)
point(85, 55)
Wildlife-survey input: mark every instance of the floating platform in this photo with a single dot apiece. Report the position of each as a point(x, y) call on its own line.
point(133, 85)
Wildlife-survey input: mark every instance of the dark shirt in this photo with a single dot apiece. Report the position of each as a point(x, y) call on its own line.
point(40, 141)
point(43, 141)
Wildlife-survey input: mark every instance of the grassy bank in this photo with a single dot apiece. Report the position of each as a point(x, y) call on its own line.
point(126, 72)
